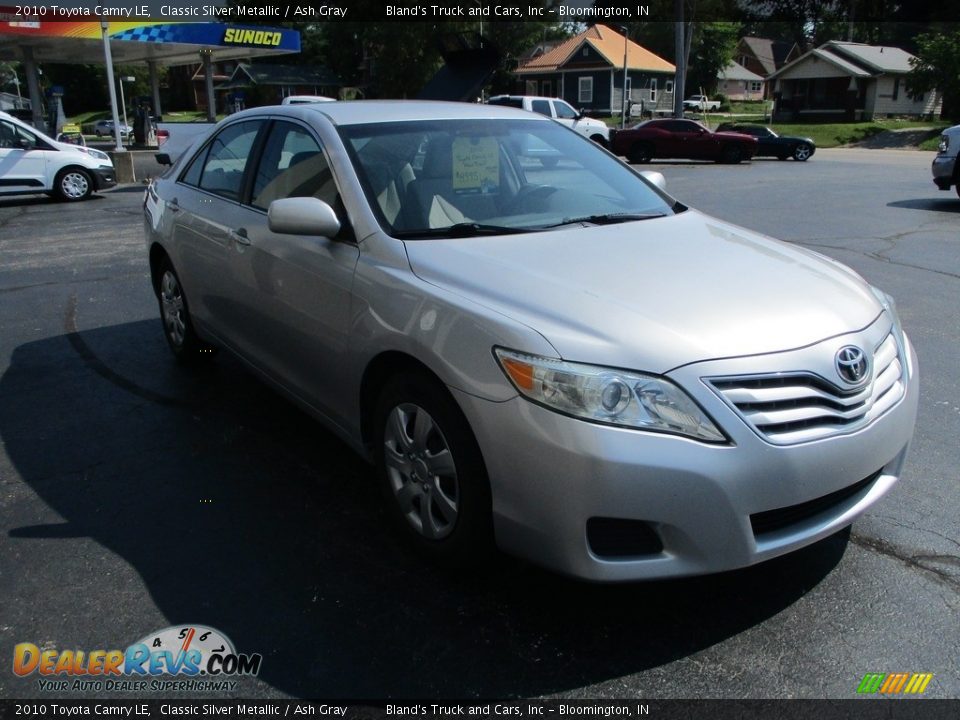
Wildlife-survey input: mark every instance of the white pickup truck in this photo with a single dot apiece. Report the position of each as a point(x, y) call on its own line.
point(559, 110)
point(701, 103)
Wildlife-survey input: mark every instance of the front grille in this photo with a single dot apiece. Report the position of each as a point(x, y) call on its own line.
point(787, 408)
point(773, 520)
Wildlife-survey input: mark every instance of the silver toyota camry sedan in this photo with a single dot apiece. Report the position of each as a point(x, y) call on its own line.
point(539, 349)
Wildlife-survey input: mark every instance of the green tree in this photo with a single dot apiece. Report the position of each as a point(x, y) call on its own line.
point(711, 50)
point(937, 65)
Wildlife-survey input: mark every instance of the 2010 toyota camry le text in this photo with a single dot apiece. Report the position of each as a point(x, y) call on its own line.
point(539, 348)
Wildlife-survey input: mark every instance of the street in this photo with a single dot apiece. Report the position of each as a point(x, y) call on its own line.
point(135, 495)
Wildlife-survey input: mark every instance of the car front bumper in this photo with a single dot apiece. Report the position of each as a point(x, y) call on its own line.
point(104, 177)
point(943, 171)
point(550, 474)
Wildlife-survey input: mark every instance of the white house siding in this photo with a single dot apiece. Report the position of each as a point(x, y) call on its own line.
point(740, 90)
point(813, 67)
point(884, 104)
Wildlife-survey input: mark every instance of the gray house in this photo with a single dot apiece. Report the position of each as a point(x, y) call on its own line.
point(587, 72)
point(844, 81)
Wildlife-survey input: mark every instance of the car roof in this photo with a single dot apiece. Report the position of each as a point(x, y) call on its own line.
point(359, 112)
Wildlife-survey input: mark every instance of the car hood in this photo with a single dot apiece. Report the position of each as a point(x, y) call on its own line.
point(654, 294)
point(796, 138)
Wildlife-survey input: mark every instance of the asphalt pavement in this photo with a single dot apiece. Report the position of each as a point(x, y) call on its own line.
point(135, 495)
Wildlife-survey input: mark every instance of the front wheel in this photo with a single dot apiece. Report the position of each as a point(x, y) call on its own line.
point(73, 184)
point(640, 153)
point(431, 471)
point(802, 152)
point(731, 154)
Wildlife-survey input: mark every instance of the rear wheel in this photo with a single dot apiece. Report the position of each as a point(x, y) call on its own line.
point(175, 314)
point(641, 152)
point(431, 471)
point(802, 152)
point(599, 140)
point(73, 184)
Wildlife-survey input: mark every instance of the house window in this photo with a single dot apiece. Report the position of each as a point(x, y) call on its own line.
point(546, 88)
point(531, 87)
point(896, 88)
point(586, 52)
point(756, 86)
point(653, 90)
point(668, 87)
point(585, 90)
point(744, 60)
point(629, 88)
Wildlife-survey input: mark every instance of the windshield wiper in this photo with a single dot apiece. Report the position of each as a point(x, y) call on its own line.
point(606, 219)
point(459, 230)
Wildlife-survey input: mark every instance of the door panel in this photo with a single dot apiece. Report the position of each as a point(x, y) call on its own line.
point(296, 288)
point(21, 169)
point(206, 210)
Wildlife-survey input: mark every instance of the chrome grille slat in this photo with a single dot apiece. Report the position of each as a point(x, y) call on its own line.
point(739, 395)
point(794, 407)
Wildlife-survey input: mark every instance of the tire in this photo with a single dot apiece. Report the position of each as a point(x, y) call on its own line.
point(431, 472)
point(731, 154)
point(782, 157)
point(178, 330)
point(640, 152)
point(73, 184)
point(802, 152)
point(957, 188)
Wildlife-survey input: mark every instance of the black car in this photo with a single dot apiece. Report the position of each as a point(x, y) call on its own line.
point(772, 145)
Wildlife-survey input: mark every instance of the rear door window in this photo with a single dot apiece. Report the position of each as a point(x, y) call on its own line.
point(227, 158)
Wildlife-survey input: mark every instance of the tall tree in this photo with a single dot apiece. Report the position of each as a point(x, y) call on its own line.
point(937, 65)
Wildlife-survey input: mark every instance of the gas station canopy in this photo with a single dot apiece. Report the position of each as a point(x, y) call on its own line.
point(165, 43)
point(154, 43)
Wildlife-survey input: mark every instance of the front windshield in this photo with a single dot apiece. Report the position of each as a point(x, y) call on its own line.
point(437, 178)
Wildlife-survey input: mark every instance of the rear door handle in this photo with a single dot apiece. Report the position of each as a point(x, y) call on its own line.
point(239, 236)
point(174, 205)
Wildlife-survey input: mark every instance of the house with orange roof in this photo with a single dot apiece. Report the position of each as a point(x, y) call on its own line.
point(587, 72)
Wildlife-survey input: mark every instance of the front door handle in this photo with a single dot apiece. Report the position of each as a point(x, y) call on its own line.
point(239, 236)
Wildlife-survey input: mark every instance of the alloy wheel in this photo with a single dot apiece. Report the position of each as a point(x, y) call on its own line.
point(421, 471)
point(171, 298)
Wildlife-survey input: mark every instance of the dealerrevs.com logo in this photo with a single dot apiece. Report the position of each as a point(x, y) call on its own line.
point(199, 657)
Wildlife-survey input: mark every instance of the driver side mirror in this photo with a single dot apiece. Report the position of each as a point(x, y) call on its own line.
point(302, 216)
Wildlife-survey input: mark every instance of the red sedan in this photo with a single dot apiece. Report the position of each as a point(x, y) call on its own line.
point(681, 139)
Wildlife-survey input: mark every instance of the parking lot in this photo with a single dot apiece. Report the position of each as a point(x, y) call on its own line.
point(135, 495)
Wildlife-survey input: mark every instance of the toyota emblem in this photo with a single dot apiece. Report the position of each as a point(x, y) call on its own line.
point(851, 364)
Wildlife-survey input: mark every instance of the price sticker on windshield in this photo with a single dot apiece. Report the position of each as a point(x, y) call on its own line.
point(476, 165)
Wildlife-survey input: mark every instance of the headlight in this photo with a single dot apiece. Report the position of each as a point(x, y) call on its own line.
point(944, 143)
point(607, 395)
point(98, 154)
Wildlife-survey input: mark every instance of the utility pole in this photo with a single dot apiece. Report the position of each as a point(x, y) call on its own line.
point(625, 105)
point(681, 55)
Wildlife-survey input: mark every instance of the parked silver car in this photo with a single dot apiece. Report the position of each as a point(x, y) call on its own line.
point(563, 361)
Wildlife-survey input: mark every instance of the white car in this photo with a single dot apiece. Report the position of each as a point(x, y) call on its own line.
point(105, 127)
point(31, 162)
point(306, 99)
